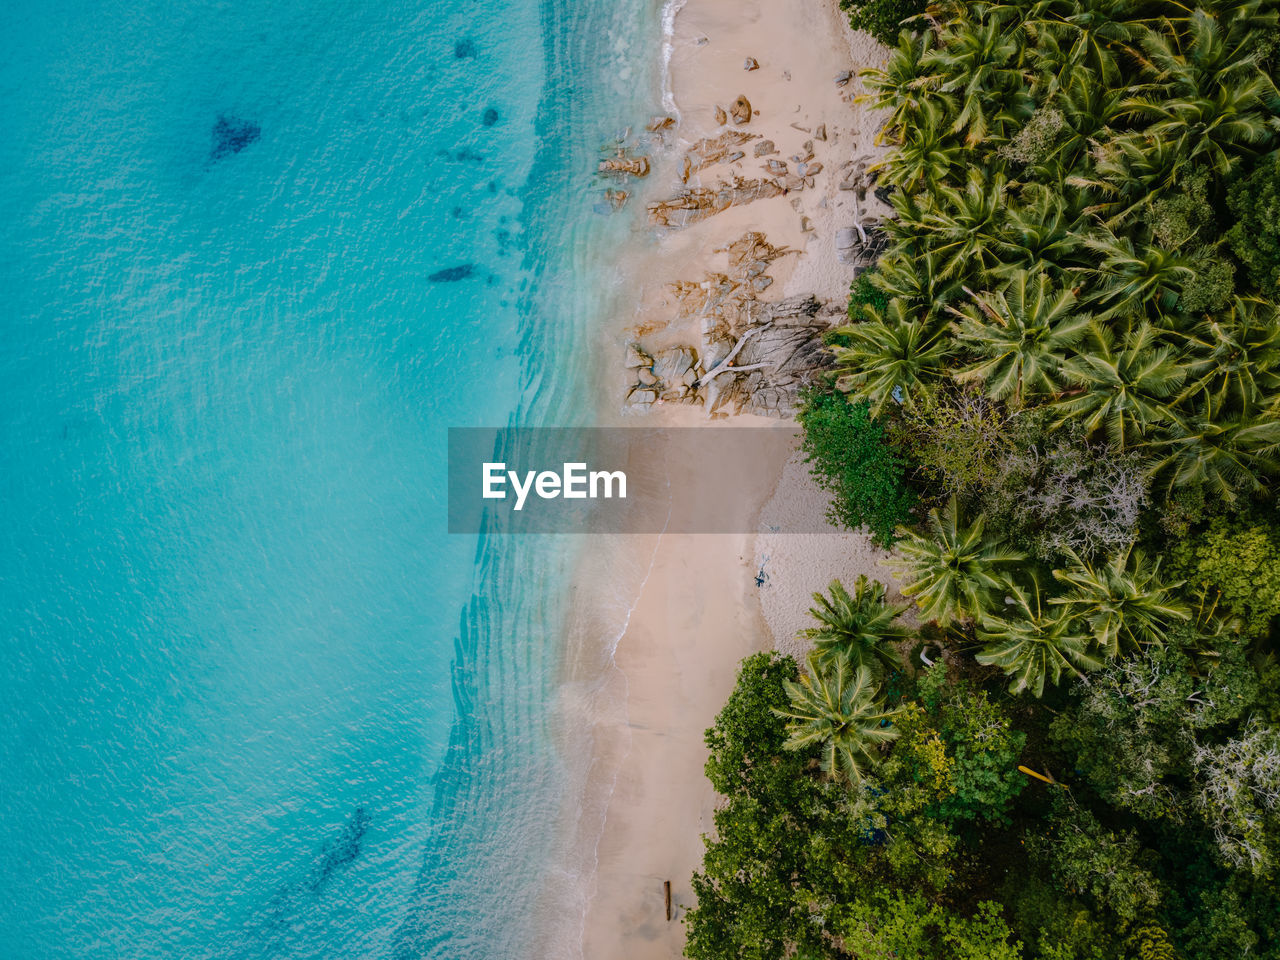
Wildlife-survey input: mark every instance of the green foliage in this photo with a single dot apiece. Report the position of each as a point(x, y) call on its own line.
point(955, 569)
point(1125, 602)
point(1034, 142)
point(1081, 370)
point(1035, 643)
point(746, 741)
point(1111, 867)
point(1185, 221)
point(1236, 562)
point(853, 459)
point(1239, 796)
point(892, 359)
point(747, 904)
point(959, 440)
point(985, 749)
point(1133, 732)
point(1254, 201)
point(890, 926)
point(864, 293)
point(882, 18)
point(1055, 924)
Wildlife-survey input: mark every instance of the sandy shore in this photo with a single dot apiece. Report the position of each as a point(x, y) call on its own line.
point(698, 610)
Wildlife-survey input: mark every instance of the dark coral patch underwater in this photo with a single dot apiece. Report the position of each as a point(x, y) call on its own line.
point(231, 135)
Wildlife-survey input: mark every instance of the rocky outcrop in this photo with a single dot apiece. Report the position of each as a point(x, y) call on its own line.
point(861, 244)
point(697, 203)
point(669, 376)
point(752, 356)
point(623, 165)
point(712, 150)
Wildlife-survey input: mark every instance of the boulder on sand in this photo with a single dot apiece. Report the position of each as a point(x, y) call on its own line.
point(637, 357)
point(741, 110)
point(671, 365)
point(642, 396)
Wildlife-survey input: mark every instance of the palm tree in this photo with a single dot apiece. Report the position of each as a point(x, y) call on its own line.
point(901, 87)
point(954, 571)
point(1146, 273)
point(1206, 93)
point(1125, 387)
point(965, 224)
point(1089, 108)
point(1129, 173)
point(1124, 601)
point(1097, 31)
point(1227, 454)
point(979, 63)
point(835, 707)
point(890, 357)
point(1039, 235)
point(1235, 363)
point(861, 627)
point(1022, 334)
point(929, 154)
point(917, 280)
point(1221, 129)
point(1037, 644)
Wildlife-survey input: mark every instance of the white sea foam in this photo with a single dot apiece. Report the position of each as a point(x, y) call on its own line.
point(670, 11)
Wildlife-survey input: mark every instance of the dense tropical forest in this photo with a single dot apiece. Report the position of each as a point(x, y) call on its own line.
point(1058, 398)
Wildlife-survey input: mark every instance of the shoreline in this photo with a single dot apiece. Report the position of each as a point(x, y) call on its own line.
point(647, 672)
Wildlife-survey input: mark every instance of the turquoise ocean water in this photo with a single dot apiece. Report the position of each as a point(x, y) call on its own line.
point(255, 258)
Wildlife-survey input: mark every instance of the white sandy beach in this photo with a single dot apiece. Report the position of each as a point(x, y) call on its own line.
point(699, 610)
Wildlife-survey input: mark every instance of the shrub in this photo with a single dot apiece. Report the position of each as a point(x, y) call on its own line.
point(1033, 142)
point(852, 458)
point(1112, 867)
point(1236, 562)
point(907, 925)
point(882, 18)
point(864, 293)
point(746, 742)
point(1071, 497)
point(1240, 797)
point(985, 748)
point(959, 441)
point(1255, 237)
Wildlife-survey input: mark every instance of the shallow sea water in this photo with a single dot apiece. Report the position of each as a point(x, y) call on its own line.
point(256, 258)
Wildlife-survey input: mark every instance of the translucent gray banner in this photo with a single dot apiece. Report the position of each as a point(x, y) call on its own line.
point(624, 480)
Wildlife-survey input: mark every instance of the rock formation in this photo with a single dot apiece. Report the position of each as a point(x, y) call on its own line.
point(713, 150)
point(752, 356)
point(741, 110)
point(692, 204)
point(624, 165)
